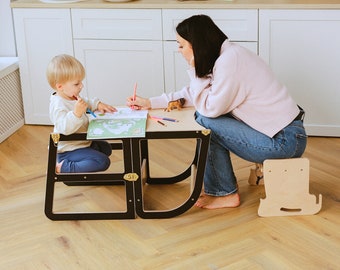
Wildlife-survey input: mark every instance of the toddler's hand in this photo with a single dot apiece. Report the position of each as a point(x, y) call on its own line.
point(103, 108)
point(80, 107)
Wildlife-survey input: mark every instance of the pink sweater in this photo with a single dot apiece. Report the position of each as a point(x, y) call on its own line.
point(243, 84)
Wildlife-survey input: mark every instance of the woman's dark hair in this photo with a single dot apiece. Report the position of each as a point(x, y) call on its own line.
point(206, 40)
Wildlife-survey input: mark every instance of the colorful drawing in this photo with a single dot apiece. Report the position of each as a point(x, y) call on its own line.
point(125, 123)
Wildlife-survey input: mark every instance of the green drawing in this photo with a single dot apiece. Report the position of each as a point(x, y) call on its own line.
point(125, 123)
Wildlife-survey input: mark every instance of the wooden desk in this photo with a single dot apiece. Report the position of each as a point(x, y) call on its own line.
point(136, 169)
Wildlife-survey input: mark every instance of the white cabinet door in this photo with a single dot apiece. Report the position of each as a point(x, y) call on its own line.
point(302, 48)
point(175, 66)
point(40, 35)
point(113, 67)
point(237, 24)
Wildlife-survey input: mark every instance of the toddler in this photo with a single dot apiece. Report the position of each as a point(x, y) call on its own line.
point(68, 115)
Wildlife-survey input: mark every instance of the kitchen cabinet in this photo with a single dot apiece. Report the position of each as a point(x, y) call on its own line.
point(302, 48)
point(116, 47)
point(40, 35)
point(119, 47)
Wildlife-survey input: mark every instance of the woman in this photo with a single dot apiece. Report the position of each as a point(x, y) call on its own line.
point(236, 95)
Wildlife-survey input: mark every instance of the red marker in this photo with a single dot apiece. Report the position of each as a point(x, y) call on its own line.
point(87, 110)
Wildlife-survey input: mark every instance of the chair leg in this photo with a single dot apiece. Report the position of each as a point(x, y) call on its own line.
point(256, 175)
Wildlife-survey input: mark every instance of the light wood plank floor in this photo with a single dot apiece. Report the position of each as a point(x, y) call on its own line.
point(198, 239)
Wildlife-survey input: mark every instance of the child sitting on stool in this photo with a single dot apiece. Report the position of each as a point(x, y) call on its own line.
point(68, 115)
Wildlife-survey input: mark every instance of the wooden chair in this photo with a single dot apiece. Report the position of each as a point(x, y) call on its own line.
point(286, 183)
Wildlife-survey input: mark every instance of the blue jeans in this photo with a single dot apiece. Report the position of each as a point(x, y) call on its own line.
point(230, 135)
point(89, 159)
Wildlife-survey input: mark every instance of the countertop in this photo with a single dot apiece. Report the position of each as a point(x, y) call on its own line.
point(8, 65)
point(178, 4)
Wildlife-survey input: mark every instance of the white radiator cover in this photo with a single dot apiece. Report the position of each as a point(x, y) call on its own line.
point(11, 106)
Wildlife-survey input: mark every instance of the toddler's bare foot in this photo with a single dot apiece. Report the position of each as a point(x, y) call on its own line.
point(212, 202)
point(58, 167)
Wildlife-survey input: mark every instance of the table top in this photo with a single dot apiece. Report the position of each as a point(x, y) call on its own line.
point(185, 117)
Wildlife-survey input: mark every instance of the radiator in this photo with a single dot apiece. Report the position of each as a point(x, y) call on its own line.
point(11, 107)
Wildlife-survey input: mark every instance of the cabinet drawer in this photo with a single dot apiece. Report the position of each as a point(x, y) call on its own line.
point(238, 25)
point(117, 24)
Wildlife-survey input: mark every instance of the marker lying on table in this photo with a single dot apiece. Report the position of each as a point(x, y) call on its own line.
point(164, 118)
point(158, 121)
point(87, 110)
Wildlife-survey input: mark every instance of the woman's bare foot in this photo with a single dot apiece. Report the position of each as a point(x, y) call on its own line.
point(212, 202)
point(58, 167)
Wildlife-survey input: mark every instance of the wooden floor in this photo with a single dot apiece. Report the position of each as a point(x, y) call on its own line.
point(198, 239)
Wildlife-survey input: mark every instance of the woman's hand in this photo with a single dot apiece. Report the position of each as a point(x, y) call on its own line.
point(138, 103)
point(103, 108)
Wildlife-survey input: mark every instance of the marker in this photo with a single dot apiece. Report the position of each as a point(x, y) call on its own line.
point(87, 110)
point(134, 92)
point(91, 112)
point(165, 118)
point(134, 96)
point(159, 122)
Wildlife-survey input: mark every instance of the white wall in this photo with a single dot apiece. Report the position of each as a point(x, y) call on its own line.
point(7, 41)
